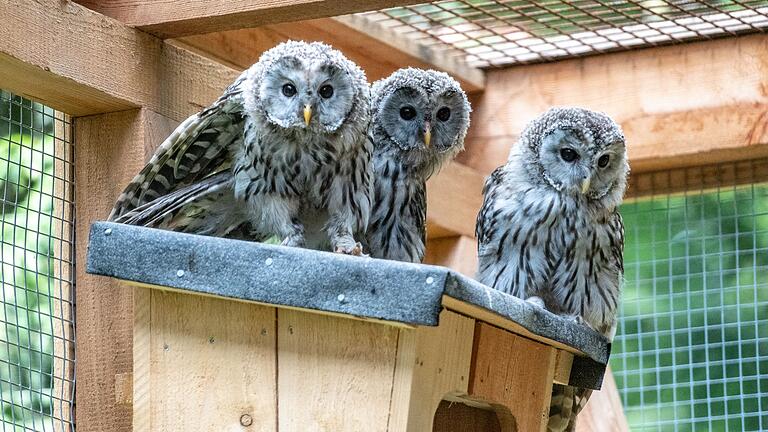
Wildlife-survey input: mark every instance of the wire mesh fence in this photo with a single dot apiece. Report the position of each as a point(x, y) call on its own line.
point(505, 32)
point(36, 325)
point(691, 351)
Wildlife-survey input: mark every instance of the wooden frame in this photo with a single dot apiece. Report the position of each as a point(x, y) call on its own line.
point(177, 18)
point(357, 36)
point(127, 89)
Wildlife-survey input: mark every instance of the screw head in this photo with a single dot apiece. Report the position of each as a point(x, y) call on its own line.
point(268, 261)
point(341, 298)
point(108, 231)
point(246, 420)
point(430, 279)
point(180, 273)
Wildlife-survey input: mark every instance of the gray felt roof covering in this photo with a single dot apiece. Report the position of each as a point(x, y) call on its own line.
point(283, 276)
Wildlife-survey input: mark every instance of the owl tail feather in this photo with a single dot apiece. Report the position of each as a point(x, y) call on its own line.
point(566, 404)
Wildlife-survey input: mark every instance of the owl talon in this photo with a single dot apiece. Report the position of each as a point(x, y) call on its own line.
point(295, 240)
point(356, 250)
point(576, 319)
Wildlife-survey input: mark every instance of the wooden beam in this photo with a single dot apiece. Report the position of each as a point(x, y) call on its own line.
point(387, 42)
point(176, 18)
point(105, 323)
point(454, 196)
point(379, 51)
point(679, 105)
point(500, 358)
point(698, 178)
point(458, 253)
point(83, 63)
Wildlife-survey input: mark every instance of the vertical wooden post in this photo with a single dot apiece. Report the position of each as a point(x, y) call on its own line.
point(61, 289)
point(110, 150)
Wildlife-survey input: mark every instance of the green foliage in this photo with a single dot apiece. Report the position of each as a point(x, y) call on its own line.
point(26, 342)
point(694, 310)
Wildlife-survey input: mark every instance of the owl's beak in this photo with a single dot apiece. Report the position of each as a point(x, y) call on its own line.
point(307, 114)
point(585, 185)
point(427, 134)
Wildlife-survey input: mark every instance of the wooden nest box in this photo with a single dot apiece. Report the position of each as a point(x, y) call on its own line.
point(240, 336)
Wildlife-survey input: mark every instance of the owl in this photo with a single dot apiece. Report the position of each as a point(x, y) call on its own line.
point(420, 119)
point(549, 230)
point(283, 152)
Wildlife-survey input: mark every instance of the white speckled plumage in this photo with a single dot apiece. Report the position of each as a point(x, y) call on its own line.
point(269, 169)
point(549, 229)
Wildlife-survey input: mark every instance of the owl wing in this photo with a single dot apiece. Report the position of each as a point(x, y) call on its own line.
point(486, 219)
point(159, 212)
point(199, 147)
point(616, 233)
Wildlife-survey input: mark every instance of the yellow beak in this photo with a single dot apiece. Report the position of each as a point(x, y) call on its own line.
point(585, 185)
point(307, 114)
point(427, 134)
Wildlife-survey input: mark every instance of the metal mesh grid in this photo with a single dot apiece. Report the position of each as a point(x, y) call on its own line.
point(36, 325)
point(691, 351)
point(505, 32)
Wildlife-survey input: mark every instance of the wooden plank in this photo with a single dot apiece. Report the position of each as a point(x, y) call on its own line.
point(212, 362)
point(432, 364)
point(514, 372)
point(604, 411)
point(649, 92)
point(699, 178)
point(176, 18)
point(487, 316)
point(105, 323)
point(82, 63)
point(334, 374)
point(458, 253)
point(379, 51)
point(454, 196)
point(563, 363)
point(142, 349)
point(62, 289)
point(387, 42)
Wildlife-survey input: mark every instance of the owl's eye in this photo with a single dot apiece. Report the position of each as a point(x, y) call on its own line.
point(289, 90)
point(443, 114)
point(407, 112)
point(569, 154)
point(603, 161)
point(326, 91)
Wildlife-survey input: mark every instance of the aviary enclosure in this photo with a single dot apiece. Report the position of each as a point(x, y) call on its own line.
point(90, 88)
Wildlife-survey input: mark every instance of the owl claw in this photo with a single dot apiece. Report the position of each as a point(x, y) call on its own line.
point(575, 318)
point(356, 250)
point(295, 240)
